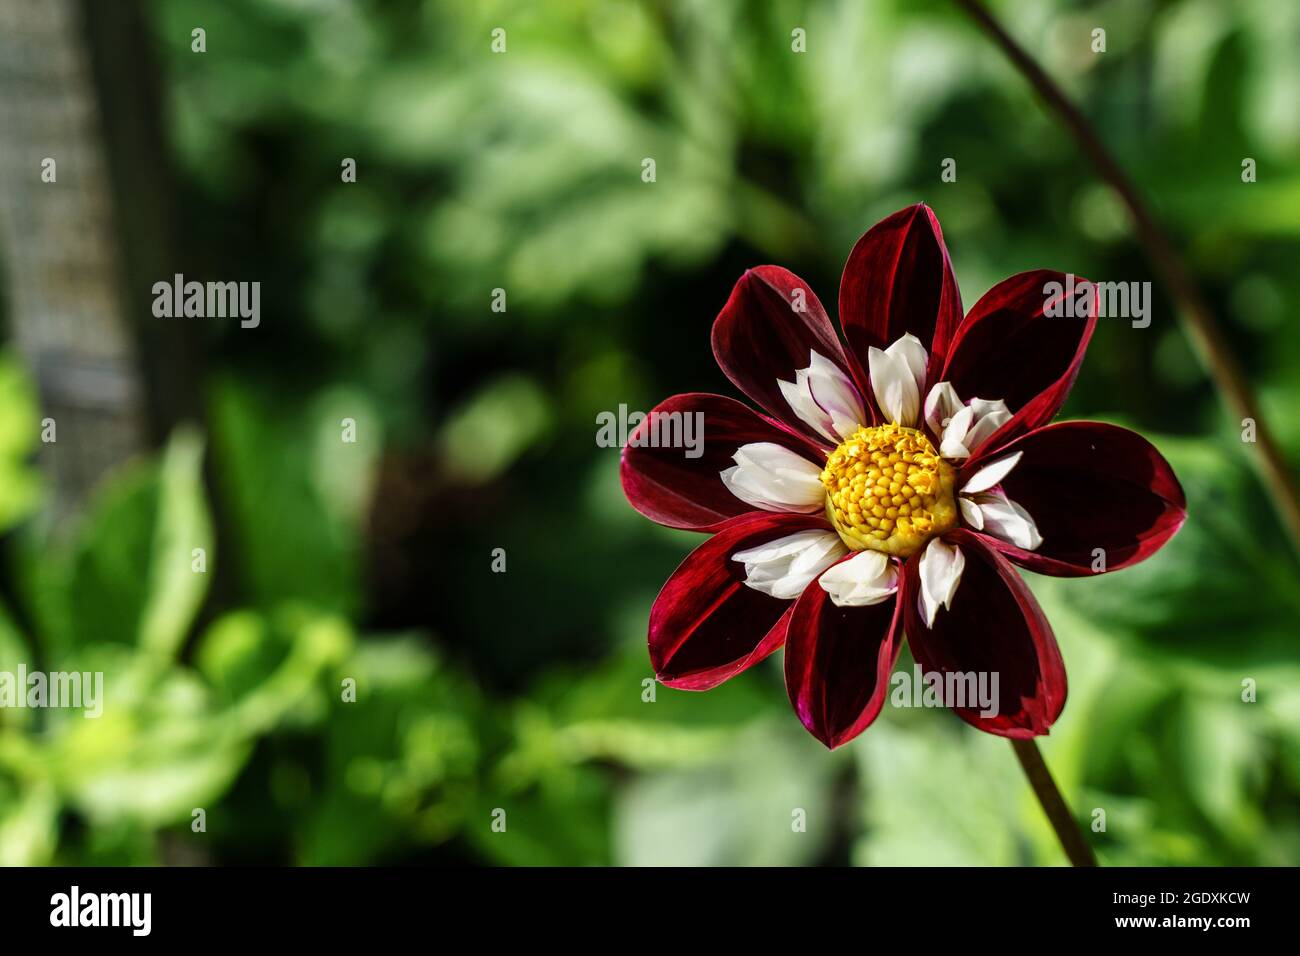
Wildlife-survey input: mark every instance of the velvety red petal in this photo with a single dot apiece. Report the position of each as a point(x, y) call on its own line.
point(706, 624)
point(1090, 485)
point(767, 331)
point(837, 663)
point(668, 487)
point(993, 627)
point(898, 279)
point(1008, 349)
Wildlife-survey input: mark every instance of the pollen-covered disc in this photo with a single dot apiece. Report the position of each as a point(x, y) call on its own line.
point(888, 490)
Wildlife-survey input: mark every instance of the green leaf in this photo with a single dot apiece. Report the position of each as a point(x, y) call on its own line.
point(176, 588)
point(401, 760)
point(166, 742)
point(14, 650)
point(1224, 751)
point(485, 436)
point(19, 428)
point(563, 821)
point(107, 587)
point(239, 652)
point(296, 534)
point(132, 578)
point(157, 751)
point(28, 824)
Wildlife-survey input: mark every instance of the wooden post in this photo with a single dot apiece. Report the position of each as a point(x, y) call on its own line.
point(61, 274)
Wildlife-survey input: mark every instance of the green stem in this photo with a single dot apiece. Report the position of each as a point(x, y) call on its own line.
point(1058, 814)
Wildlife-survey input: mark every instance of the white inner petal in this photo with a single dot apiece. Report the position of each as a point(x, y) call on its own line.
point(940, 406)
point(785, 566)
point(1002, 518)
point(867, 578)
point(992, 473)
point(773, 478)
point(970, 513)
point(909, 347)
point(836, 395)
point(966, 428)
point(940, 573)
point(798, 395)
point(825, 398)
point(989, 417)
point(953, 444)
point(898, 379)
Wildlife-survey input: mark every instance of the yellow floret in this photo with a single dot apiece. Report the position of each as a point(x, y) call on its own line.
point(888, 490)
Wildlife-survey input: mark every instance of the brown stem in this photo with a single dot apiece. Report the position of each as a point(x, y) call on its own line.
point(1198, 321)
point(1040, 778)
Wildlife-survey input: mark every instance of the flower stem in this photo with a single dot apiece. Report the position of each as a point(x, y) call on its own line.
point(1198, 320)
point(1063, 822)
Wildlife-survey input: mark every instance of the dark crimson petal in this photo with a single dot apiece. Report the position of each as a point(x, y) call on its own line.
point(1008, 349)
point(1091, 485)
point(898, 279)
point(760, 337)
point(837, 662)
point(668, 487)
point(706, 624)
point(993, 627)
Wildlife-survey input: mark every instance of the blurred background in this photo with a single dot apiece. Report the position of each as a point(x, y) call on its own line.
point(327, 561)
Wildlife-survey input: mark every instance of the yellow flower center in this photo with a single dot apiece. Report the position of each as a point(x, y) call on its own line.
point(888, 490)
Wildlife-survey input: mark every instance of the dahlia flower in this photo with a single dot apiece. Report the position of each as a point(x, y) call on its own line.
point(891, 484)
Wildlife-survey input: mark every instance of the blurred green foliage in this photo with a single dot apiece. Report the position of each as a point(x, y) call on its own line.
point(524, 691)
